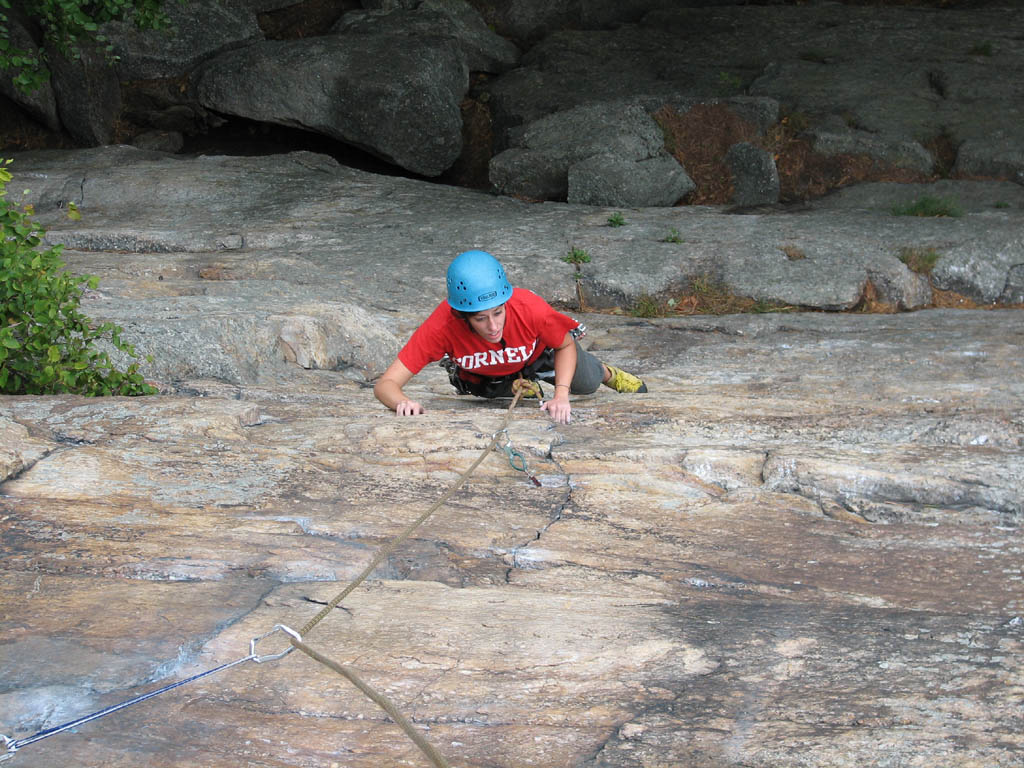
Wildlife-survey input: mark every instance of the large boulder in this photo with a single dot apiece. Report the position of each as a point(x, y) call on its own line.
point(999, 155)
point(564, 71)
point(529, 21)
point(909, 76)
point(894, 78)
point(538, 162)
point(613, 180)
point(671, 55)
point(835, 137)
point(396, 97)
point(198, 31)
point(485, 51)
point(88, 94)
point(40, 104)
point(987, 267)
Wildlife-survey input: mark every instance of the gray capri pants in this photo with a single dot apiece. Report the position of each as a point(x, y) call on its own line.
point(589, 373)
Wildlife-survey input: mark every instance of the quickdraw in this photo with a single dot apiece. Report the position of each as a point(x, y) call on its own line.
point(518, 462)
point(13, 745)
point(515, 459)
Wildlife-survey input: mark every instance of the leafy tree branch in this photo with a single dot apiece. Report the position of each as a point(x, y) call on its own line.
point(67, 26)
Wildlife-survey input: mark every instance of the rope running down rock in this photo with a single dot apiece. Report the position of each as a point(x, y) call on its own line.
point(520, 387)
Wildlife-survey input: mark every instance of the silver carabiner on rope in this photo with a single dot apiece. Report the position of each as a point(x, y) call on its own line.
point(273, 656)
point(13, 745)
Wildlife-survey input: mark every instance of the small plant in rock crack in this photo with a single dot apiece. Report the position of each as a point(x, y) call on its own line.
point(673, 236)
point(919, 260)
point(616, 219)
point(47, 346)
point(928, 205)
point(577, 257)
point(648, 306)
point(981, 49)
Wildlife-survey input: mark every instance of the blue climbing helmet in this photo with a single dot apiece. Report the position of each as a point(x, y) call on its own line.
point(476, 281)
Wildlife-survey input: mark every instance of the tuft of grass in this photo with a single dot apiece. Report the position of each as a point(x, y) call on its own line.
point(919, 260)
point(647, 306)
point(763, 307)
point(673, 236)
point(707, 296)
point(982, 49)
point(928, 205)
point(792, 252)
point(1002, 204)
point(616, 219)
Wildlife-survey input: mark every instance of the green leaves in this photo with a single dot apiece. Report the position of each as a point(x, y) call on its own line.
point(47, 345)
point(929, 205)
point(70, 25)
point(576, 256)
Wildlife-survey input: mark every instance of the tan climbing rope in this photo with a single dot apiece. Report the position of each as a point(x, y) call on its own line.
point(520, 388)
point(353, 677)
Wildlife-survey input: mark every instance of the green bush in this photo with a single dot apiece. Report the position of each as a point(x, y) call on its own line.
point(47, 346)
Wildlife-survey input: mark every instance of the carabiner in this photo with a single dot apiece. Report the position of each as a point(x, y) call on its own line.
point(273, 656)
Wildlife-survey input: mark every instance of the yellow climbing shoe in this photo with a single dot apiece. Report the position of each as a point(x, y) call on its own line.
point(621, 381)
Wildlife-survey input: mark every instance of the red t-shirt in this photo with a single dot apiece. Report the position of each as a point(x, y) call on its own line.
point(531, 326)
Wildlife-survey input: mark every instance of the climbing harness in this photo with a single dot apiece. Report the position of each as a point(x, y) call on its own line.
point(516, 459)
point(492, 387)
point(13, 745)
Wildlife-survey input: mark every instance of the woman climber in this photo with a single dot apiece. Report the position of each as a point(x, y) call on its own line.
point(488, 334)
